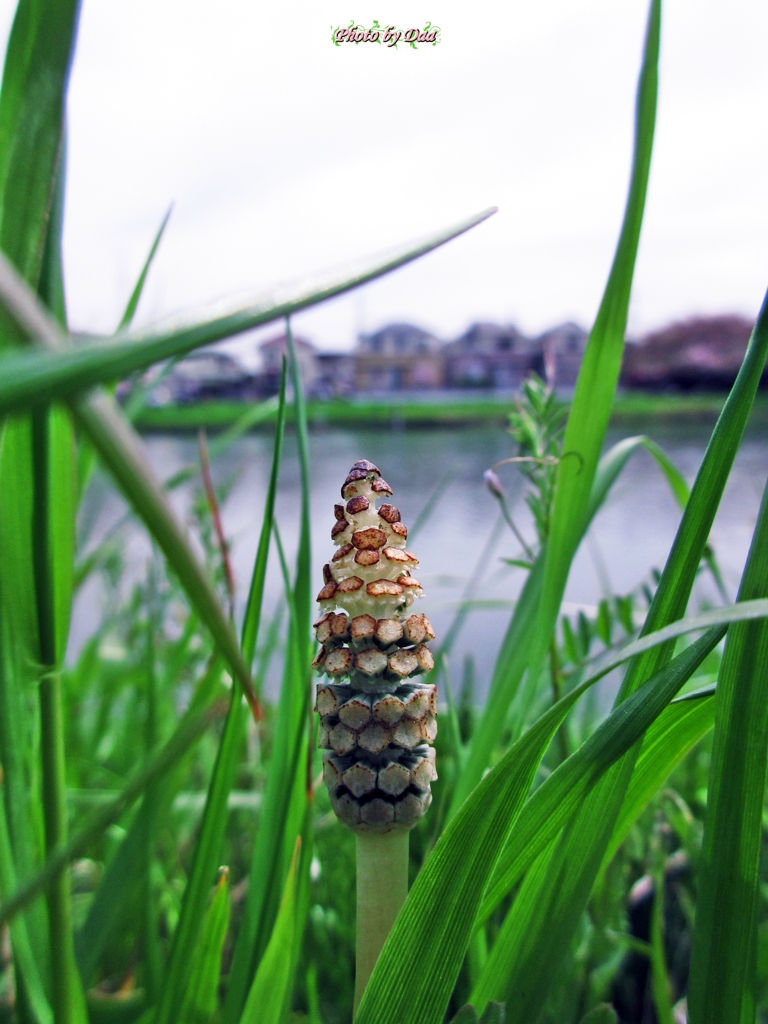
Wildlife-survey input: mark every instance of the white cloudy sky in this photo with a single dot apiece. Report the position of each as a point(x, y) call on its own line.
point(284, 154)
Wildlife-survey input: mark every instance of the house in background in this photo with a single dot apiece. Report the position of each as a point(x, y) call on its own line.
point(399, 357)
point(562, 350)
point(205, 375)
point(336, 375)
point(272, 352)
point(491, 356)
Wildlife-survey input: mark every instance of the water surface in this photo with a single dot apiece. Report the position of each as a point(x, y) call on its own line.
point(630, 536)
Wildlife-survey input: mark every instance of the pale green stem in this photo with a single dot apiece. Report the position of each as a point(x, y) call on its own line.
point(382, 885)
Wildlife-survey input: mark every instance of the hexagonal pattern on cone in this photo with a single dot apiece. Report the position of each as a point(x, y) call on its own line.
point(377, 719)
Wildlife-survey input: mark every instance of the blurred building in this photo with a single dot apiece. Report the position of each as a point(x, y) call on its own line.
point(205, 375)
point(491, 356)
point(336, 375)
point(562, 349)
point(271, 353)
point(398, 357)
point(703, 352)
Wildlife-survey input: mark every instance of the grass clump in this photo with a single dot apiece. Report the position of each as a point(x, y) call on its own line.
point(552, 881)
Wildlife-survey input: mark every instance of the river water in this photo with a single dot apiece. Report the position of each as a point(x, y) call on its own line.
point(630, 536)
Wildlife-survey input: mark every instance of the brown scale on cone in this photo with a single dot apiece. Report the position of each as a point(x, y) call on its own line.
point(377, 712)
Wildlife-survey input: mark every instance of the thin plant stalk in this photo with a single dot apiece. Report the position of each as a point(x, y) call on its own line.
point(382, 886)
point(53, 758)
point(55, 814)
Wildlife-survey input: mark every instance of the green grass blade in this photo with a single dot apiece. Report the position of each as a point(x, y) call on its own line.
point(135, 404)
point(34, 377)
point(133, 301)
point(560, 795)
point(116, 893)
point(61, 522)
point(285, 795)
point(616, 458)
point(204, 862)
point(284, 802)
point(32, 104)
point(675, 732)
point(201, 1000)
point(32, 101)
point(599, 373)
point(28, 968)
point(259, 412)
point(53, 550)
point(19, 653)
point(722, 969)
point(303, 586)
point(252, 617)
point(659, 978)
point(674, 477)
point(119, 890)
point(269, 992)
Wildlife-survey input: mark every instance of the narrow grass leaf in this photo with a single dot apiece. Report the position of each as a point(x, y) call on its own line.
point(268, 994)
point(53, 543)
point(201, 996)
point(19, 654)
point(551, 806)
point(674, 733)
point(722, 969)
point(285, 794)
point(284, 801)
point(28, 969)
point(32, 100)
point(204, 862)
point(133, 301)
point(119, 890)
point(660, 985)
point(252, 617)
point(137, 398)
point(302, 589)
point(36, 377)
point(599, 372)
point(429, 506)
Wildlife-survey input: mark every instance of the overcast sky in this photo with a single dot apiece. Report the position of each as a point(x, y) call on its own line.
point(284, 155)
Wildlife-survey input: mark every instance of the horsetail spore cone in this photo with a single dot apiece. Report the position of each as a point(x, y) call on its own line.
point(377, 715)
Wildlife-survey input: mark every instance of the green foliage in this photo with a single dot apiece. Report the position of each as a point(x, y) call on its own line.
point(200, 1001)
point(270, 991)
point(723, 968)
point(537, 426)
point(131, 774)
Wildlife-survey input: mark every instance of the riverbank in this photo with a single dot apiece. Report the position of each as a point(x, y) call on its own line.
point(629, 406)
